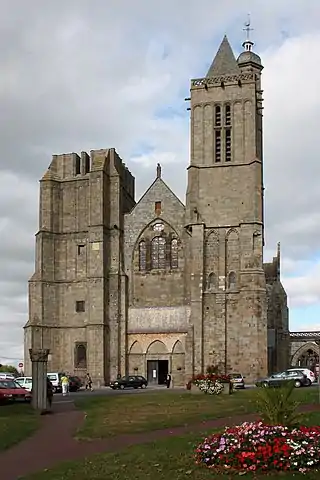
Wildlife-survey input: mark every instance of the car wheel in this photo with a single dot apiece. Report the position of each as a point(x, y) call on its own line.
point(54, 390)
point(121, 387)
point(297, 384)
point(308, 383)
point(265, 384)
point(143, 385)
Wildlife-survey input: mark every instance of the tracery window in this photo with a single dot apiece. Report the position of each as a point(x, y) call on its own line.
point(158, 253)
point(142, 256)
point(158, 227)
point(174, 253)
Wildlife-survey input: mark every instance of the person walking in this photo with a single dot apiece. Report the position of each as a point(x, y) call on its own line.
point(49, 393)
point(65, 384)
point(168, 380)
point(89, 383)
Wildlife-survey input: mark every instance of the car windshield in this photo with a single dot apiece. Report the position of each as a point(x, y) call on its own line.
point(9, 384)
point(236, 375)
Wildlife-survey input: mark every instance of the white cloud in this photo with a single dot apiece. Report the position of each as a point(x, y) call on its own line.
point(304, 289)
point(78, 77)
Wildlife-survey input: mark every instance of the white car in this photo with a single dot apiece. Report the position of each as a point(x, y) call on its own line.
point(308, 373)
point(6, 376)
point(25, 382)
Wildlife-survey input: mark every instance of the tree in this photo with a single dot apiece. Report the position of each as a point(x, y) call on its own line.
point(9, 369)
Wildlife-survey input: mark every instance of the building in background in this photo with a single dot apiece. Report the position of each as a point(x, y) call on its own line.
point(157, 286)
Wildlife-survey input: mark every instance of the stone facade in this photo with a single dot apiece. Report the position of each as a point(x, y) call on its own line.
point(158, 286)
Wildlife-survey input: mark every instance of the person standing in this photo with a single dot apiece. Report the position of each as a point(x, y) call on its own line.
point(168, 380)
point(49, 392)
point(89, 383)
point(64, 384)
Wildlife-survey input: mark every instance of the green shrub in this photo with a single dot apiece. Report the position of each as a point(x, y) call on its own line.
point(277, 407)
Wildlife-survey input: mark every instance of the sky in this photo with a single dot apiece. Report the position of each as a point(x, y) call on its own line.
point(80, 75)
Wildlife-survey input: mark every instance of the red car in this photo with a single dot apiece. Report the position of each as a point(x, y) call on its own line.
point(11, 391)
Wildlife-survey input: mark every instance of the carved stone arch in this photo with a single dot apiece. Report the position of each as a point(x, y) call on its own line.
point(80, 355)
point(232, 251)
point(142, 250)
point(233, 232)
point(136, 348)
point(177, 348)
point(178, 363)
point(146, 228)
point(211, 281)
point(211, 253)
point(157, 348)
point(136, 359)
point(212, 231)
point(302, 353)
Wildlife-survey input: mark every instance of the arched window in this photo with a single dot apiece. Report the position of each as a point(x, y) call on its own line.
point(211, 283)
point(228, 115)
point(232, 280)
point(174, 253)
point(158, 253)
point(217, 116)
point(80, 360)
point(142, 256)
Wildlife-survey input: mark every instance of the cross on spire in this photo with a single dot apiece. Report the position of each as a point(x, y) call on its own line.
point(248, 44)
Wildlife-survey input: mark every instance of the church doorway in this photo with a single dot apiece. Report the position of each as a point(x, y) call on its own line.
point(157, 371)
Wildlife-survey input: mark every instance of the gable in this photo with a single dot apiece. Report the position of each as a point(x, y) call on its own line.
point(158, 202)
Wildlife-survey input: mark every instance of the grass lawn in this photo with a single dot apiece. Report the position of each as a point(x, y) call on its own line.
point(115, 415)
point(167, 459)
point(17, 422)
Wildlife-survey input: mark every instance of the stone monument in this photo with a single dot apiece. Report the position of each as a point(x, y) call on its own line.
point(39, 359)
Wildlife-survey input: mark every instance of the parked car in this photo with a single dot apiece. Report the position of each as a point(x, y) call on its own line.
point(237, 380)
point(25, 382)
point(75, 384)
point(6, 376)
point(55, 379)
point(12, 391)
point(308, 373)
point(129, 382)
point(277, 379)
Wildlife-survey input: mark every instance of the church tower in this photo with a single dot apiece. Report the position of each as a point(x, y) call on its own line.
point(224, 216)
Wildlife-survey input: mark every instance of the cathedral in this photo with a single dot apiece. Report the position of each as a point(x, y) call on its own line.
point(159, 286)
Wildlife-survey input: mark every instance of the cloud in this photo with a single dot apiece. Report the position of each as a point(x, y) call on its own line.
point(79, 76)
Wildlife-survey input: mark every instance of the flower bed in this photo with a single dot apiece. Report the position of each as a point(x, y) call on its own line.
point(255, 447)
point(210, 383)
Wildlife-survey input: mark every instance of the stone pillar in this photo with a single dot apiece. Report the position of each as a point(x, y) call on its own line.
point(39, 359)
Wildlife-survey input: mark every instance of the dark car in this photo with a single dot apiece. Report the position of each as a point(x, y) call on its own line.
point(75, 384)
point(237, 380)
point(129, 382)
point(277, 379)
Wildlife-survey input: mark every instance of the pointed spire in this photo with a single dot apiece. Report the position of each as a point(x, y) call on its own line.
point(158, 170)
point(224, 63)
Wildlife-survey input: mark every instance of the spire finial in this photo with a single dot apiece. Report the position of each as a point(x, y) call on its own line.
point(158, 170)
point(248, 44)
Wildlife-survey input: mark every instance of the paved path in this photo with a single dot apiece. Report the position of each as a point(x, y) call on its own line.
point(53, 443)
